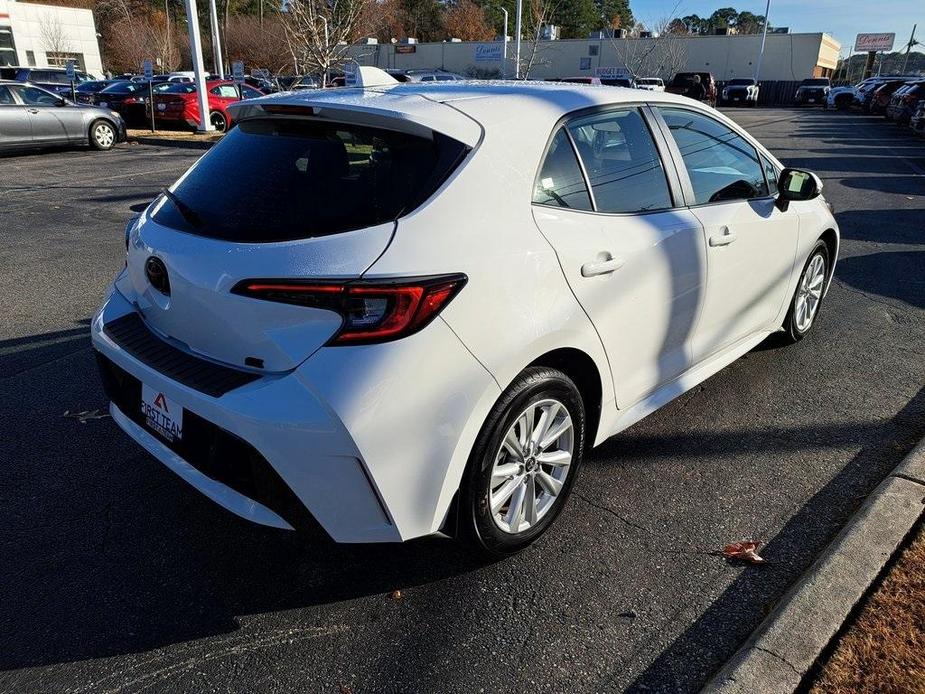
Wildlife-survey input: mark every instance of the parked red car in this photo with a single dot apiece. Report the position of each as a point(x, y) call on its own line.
point(179, 103)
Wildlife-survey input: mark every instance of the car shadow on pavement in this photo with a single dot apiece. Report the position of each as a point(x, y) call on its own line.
point(726, 622)
point(103, 551)
point(893, 274)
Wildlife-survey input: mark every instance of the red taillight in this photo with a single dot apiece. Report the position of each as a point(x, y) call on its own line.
point(372, 311)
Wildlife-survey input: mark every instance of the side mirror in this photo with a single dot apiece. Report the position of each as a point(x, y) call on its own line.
point(797, 185)
point(61, 102)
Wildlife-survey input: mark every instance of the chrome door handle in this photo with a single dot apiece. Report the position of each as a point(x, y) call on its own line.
point(723, 239)
point(602, 267)
point(32, 110)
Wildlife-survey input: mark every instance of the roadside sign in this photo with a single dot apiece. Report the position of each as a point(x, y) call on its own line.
point(866, 43)
point(489, 52)
point(237, 71)
point(612, 72)
point(71, 75)
point(350, 73)
point(148, 68)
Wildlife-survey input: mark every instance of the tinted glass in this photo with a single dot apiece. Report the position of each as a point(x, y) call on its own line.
point(179, 88)
point(720, 163)
point(33, 96)
point(226, 91)
point(741, 82)
point(278, 180)
point(771, 175)
point(560, 181)
point(623, 166)
point(250, 93)
point(6, 97)
point(124, 88)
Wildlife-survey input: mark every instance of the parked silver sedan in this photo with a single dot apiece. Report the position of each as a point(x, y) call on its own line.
point(34, 117)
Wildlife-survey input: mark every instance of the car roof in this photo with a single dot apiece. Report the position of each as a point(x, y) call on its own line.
point(473, 103)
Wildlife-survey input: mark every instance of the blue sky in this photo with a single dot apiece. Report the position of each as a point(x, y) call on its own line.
point(843, 19)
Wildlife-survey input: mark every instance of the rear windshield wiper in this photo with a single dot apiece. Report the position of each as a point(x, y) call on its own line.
point(189, 214)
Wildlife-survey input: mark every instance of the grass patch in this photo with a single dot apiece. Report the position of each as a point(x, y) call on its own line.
point(883, 649)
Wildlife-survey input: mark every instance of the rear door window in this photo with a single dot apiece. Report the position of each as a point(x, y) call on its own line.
point(622, 163)
point(560, 182)
point(277, 180)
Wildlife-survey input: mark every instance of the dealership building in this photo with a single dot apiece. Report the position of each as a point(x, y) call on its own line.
point(48, 36)
point(786, 56)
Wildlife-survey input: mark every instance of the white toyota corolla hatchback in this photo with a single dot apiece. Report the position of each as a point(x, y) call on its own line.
point(406, 309)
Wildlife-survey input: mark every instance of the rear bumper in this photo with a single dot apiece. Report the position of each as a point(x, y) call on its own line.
point(342, 440)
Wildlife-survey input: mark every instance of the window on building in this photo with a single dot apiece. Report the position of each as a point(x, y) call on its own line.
point(30, 58)
point(60, 59)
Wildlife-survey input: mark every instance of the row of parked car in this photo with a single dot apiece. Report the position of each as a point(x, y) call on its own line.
point(898, 98)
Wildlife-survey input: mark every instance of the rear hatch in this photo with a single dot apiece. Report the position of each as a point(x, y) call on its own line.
point(277, 198)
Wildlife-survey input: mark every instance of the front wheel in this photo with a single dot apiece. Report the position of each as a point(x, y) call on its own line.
point(807, 299)
point(524, 462)
point(102, 135)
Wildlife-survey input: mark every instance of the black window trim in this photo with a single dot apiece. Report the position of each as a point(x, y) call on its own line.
point(675, 187)
point(681, 168)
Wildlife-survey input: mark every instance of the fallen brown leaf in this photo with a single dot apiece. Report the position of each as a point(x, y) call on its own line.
point(395, 595)
point(744, 551)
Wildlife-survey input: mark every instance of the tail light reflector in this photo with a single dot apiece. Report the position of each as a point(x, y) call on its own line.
point(372, 311)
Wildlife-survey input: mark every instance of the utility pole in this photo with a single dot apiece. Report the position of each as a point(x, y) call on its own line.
point(912, 42)
point(504, 47)
point(517, 30)
point(195, 43)
point(764, 36)
point(217, 61)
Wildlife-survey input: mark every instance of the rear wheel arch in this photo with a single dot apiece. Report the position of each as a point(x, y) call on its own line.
point(583, 371)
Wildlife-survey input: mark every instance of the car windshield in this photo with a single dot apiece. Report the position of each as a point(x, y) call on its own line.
point(123, 88)
point(91, 86)
point(314, 179)
point(741, 83)
point(815, 83)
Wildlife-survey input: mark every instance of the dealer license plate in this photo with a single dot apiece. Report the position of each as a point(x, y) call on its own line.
point(162, 415)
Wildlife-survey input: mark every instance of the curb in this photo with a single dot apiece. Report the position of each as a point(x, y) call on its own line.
point(168, 142)
point(785, 646)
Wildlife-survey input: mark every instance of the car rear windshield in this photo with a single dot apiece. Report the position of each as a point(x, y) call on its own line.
point(816, 83)
point(285, 179)
point(124, 88)
point(741, 83)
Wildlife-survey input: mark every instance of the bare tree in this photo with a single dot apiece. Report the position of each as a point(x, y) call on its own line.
point(141, 38)
point(317, 32)
point(55, 37)
point(538, 13)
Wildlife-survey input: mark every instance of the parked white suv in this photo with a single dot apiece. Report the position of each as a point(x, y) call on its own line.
point(444, 295)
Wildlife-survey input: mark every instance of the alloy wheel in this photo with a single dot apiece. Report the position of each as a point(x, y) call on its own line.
point(809, 293)
point(104, 135)
point(218, 120)
point(531, 465)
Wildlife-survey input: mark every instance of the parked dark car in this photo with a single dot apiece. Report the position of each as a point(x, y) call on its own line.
point(127, 98)
point(904, 102)
point(741, 90)
point(34, 117)
point(54, 79)
point(878, 99)
point(812, 91)
point(685, 83)
point(86, 90)
point(917, 121)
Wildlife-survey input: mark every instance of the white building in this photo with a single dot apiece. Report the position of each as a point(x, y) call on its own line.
point(786, 57)
point(48, 36)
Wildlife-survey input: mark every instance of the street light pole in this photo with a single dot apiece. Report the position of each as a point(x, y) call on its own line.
point(327, 44)
point(195, 42)
point(504, 47)
point(219, 64)
point(517, 30)
point(764, 36)
point(912, 42)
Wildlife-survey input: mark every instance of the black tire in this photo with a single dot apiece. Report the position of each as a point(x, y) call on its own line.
point(103, 135)
point(217, 118)
point(477, 525)
point(792, 332)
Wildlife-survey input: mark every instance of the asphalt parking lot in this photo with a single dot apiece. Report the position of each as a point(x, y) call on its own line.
point(117, 576)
